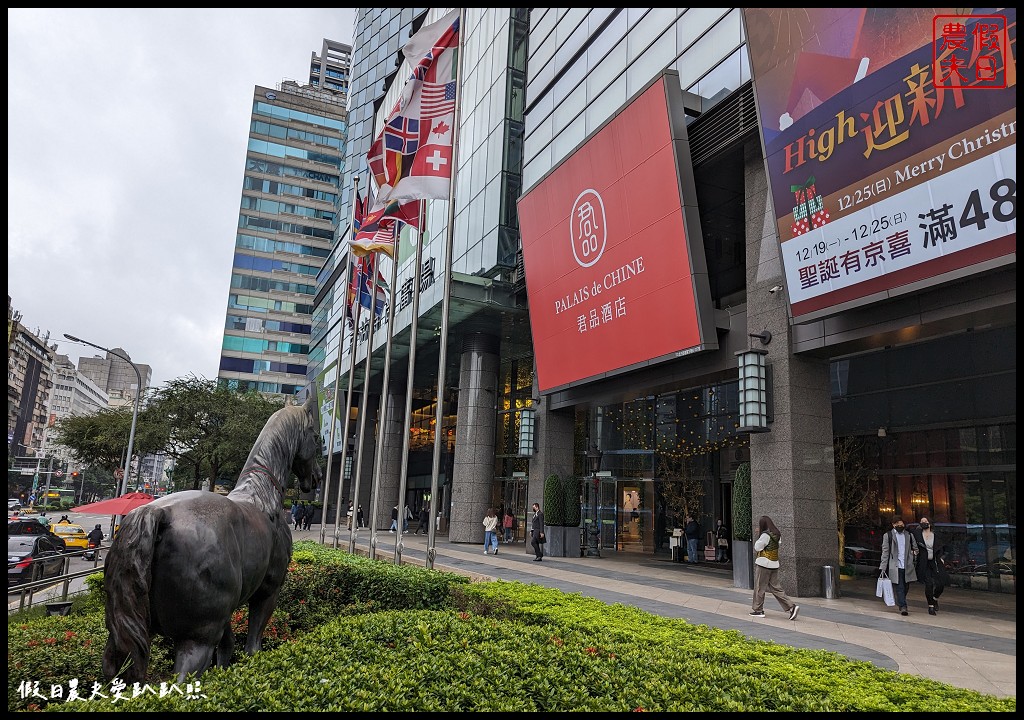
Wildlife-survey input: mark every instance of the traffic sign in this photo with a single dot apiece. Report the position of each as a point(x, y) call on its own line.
point(119, 473)
point(58, 473)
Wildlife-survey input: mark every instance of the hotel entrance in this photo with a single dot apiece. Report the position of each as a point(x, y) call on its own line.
point(634, 516)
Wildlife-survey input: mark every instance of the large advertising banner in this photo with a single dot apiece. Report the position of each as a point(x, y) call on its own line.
point(890, 143)
point(609, 272)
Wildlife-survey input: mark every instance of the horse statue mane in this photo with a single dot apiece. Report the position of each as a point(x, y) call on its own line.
point(180, 566)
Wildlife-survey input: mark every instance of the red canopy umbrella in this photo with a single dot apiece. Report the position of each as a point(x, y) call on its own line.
point(117, 506)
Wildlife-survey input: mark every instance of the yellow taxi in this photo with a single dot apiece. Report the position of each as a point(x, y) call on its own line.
point(74, 536)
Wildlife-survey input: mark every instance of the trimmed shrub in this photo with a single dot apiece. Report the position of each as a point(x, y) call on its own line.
point(554, 501)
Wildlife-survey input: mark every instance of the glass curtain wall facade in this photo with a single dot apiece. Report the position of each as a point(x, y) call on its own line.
point(537, 84)
point(288, 218)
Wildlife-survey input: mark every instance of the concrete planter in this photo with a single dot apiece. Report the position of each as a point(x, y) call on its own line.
point(743, 564)
point(562, 541)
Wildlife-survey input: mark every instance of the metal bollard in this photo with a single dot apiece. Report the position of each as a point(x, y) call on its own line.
point(830, 582)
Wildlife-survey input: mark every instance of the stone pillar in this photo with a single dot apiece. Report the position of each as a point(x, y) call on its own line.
point(365, 455)
point(392, 435)
point(792, 472)
point(473, 470)
point(554, 435)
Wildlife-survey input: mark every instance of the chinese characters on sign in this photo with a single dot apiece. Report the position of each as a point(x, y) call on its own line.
point(969, 59)
point(404, 298)
point(117, 691)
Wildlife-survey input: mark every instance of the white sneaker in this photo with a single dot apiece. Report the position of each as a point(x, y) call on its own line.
point(486, 553)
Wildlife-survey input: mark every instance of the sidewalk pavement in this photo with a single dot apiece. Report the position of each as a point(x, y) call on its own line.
point(971, 643)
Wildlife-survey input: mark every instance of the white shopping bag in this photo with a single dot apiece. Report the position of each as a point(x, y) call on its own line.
point(883, 589)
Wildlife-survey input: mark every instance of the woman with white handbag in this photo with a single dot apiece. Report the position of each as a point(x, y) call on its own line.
point(899, 553)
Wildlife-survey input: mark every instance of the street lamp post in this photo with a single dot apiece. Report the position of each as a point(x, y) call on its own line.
point(135, 412)
point(594, 536)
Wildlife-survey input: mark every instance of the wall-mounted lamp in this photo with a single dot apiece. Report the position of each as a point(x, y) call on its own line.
point(526, 431)
point(753, 390)
point(881, 432)
point(764, 336)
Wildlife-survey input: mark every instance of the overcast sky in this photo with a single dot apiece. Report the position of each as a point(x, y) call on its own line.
point(126, 139)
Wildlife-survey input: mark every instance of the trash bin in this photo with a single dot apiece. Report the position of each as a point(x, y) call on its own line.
point(830, 582)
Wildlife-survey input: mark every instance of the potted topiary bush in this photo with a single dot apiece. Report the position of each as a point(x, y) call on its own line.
point(742, 529)
point(561, 518)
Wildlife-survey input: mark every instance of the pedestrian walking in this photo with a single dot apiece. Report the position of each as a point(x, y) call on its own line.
point(490, 523)
point(931, 566)
point(296, 515)
point(721, 543)
point(406, 517)
point(766, 570)
point(537, 538)
point(508, 525)
point(307, 516)
point(692, 531)
point(359, 516)
point(423, 523)
point(899, 554)
point(349, 515)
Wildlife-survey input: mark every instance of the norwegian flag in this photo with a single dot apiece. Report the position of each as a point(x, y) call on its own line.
point(407, 169)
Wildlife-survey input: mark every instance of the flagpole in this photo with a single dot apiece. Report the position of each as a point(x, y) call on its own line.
point(442, 359)
point(364, 404)
point(348, 409)
point(337, 374)
point(403, 480)
point(383, 406)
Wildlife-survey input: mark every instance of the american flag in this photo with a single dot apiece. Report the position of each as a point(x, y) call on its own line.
point(437, 99)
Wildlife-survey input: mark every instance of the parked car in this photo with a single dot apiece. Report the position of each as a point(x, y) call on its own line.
point(32, 526)
point(31, 558)
point(13, 504)
point(74, 536)
point(857, 555)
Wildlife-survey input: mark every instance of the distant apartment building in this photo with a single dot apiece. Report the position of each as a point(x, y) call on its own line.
point(287, 224)
point(73, 394)
point(115, 376)
point(29, 383)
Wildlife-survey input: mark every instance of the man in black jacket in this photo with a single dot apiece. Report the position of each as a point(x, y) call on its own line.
point(537, 533)
point(692, 530)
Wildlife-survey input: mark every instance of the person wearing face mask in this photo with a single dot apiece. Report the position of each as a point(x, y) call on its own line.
point(899, 553)
point(930, 567)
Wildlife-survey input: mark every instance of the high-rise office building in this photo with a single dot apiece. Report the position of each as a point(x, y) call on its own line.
point(287, 223)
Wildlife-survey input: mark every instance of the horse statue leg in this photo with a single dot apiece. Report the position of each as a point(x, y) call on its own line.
point(191, 657)
point(226, 646)
point(126, 581)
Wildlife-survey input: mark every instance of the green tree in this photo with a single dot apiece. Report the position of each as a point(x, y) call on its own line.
point(207, 428)
point(210, 428)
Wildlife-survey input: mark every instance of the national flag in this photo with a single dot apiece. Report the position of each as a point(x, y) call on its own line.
point(367, 266)
point(380, 227)
point(417, 168)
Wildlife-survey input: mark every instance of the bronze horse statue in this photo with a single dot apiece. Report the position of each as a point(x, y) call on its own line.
point(181, 565)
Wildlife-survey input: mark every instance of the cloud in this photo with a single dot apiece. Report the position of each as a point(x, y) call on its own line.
point(127, 133)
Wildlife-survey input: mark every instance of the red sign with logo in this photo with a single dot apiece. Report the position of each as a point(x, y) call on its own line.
point(608, 268)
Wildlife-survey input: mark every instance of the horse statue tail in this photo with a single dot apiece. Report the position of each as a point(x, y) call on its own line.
point(127, 576)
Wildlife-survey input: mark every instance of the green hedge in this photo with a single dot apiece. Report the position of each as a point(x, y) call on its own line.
point(444, 644)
